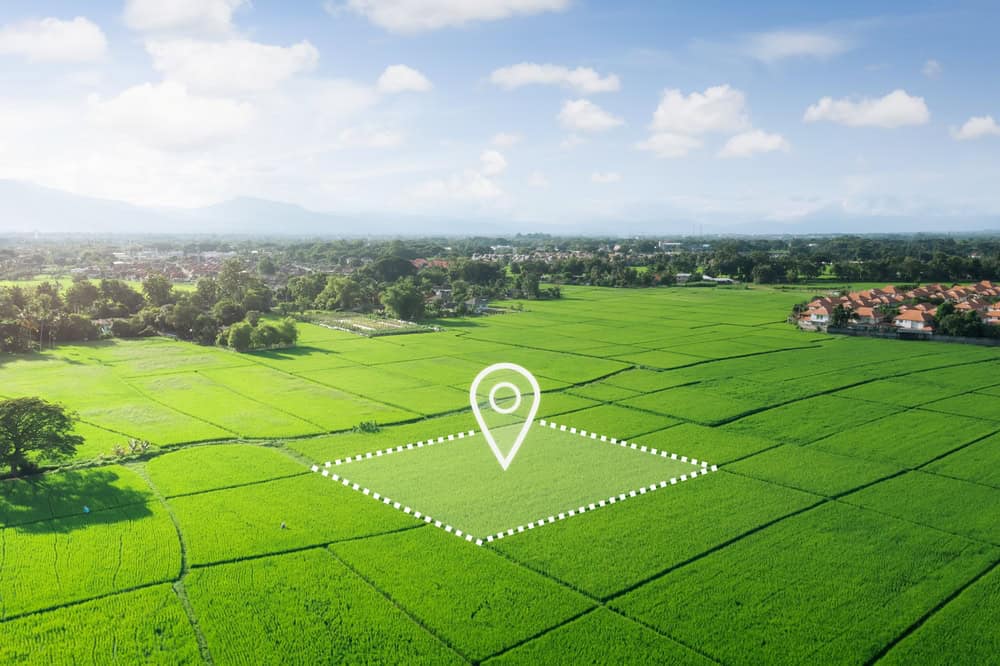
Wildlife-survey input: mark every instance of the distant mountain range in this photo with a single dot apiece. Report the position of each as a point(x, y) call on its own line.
point(32, 208)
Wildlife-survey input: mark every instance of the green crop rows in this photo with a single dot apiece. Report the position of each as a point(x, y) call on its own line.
point(853, 517)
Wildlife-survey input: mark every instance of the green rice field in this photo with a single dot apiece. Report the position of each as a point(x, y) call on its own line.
point(832, 499)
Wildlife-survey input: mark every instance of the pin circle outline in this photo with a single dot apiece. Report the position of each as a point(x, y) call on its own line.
point(493, 401)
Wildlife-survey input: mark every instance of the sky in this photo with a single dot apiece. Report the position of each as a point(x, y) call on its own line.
point(555, 111)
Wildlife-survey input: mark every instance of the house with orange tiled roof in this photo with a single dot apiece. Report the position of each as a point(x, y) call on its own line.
point(914, 320)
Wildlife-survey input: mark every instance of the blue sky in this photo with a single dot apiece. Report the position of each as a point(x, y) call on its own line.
point(556, 111)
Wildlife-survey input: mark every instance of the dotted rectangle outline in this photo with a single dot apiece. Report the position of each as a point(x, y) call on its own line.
point(702, 468)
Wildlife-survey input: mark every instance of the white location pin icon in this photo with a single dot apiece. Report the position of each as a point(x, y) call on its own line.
point(473, 398)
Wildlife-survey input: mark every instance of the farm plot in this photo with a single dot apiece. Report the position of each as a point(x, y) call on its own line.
point(832, 584)
point(239, 522)
point(807, 420)
point(950, 505)
point(704, 403)
point(323, 407)
point(617, 420)
point(203, 399)
point(979, 462)
point(967, 625)
point(899, 392)
point(151, 356)
point(812, 470)
point(144, 626)
point(476, 600)
point(639, 540)
point(305, 607)
point(975, 405)
point(64, 494)
point(330, 447)
point(908, 438)
point(53, 562)
point(719, 446)
point(602, 636)
point(202, 468)
point(460, 483)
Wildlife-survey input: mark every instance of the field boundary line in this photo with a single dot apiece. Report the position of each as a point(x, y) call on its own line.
point(402, 609)
point(237, 485)
point(919, 622)
point(300, 549)
point(179, 411)
point(226, 387)
point(77, 602)
point(326, 470)
point(178, 583)
point(714, 549)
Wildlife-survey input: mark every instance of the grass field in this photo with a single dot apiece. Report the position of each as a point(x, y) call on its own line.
point(853, 517)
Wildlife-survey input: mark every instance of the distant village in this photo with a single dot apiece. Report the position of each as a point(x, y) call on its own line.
point(914, 310)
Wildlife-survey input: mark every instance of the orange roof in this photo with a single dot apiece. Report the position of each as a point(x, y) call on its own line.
point(913, 315)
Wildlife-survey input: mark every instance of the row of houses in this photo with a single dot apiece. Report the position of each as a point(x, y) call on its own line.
point(910, 310)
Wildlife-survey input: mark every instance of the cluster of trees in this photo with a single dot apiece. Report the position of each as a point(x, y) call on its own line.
point(393, 281)
point(31, 317)
point(965, 324)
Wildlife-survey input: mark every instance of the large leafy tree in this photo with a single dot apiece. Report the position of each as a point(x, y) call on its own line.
point(33, 429)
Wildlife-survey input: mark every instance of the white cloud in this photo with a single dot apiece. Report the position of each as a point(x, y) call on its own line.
point(894, 110)
point(400, 78)
point(54, 40)
point(605, 177)
point(538, 180)
point(506, 139)
point(493, 163)
point(235, 65)
point(202, 16)
point(410, 16)
point(463, 186)
point(770, 47)
point(585, 116)
point(718, 109)
point(167, 115)
point(583, 79)
point(571, 142)
point(754, 141)
point(932, 69)
point(977, 127)
point(667, 144)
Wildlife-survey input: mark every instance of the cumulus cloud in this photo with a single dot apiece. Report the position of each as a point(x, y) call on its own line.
point(605, 177)
point(202, 16)
point(506, 139)
point(400, 78)
point(493, 163)
point(582, 79)
point(754, 141)
point(54, 40)
point(585, 116)
point(718, 109)
point(167, 115)
point(669, 145)
point(770, 47)
point(897, 109)
point(235, 65)
point(409, 16)
point(468, 185)
point(932, 69)
point(976, 127)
